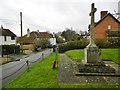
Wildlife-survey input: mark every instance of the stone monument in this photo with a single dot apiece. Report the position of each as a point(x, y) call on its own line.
point(93, 64)
point(92, 52)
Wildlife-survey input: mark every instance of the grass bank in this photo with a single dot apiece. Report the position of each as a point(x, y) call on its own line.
point(106, 54)
point(42, 75)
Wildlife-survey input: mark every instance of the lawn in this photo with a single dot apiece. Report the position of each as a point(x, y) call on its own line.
point(106, 54)
point(42, 75)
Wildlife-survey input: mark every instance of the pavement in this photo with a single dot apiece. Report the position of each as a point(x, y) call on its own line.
point(66, 73)
point(16, 57)
point(13, 57)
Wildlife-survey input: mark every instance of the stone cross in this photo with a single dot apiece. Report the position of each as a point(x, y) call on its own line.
point(92, 26)
point(92, 52)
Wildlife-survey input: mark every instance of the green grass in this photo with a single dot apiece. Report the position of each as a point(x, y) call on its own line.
point(42, 75)
point(75, 54)
point(106, 54)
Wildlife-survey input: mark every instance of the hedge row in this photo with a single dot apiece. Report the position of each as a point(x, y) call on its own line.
point(81, 44)
point(111, 43)
point(72, 45)
point(9, 49)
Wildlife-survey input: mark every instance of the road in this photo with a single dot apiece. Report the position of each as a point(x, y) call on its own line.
point(13, 69)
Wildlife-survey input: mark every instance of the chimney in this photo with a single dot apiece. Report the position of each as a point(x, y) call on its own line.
point(103, 13)
point(38, 31)
point(53, 34)
point(28, 32)
point(1, 26)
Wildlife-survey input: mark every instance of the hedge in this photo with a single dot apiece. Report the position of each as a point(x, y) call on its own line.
point(81, 44)
point(9, 49)
point(110, 43)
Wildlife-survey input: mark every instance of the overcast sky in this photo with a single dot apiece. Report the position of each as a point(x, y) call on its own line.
point(51, 15)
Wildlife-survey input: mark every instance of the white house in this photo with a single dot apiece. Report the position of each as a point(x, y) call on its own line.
point(7, 37)
point(52, 41)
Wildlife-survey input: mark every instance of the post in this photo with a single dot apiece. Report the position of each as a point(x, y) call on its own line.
point(42, 55)
point(21, 22)
point(21, 30)
point(27, 65)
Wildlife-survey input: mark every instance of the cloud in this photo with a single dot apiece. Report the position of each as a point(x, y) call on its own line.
point(50, 15)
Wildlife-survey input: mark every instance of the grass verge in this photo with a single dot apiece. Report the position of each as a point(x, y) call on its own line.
point(106, 54)
point(42, 75)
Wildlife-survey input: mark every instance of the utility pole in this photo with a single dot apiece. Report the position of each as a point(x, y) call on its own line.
point(21, 31)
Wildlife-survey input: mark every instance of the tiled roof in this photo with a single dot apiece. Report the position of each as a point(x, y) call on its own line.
point(6, 32)
point(96, 23)
point(105, 17)
point(33, 37)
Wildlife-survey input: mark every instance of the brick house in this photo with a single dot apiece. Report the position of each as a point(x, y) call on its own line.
point(107, 27)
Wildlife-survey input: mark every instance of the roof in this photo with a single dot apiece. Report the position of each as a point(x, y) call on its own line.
point(96, 23)
point(6, 32)
point(33, 37)
point(105, 17)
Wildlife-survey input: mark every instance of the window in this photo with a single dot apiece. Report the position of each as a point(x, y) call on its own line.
point(109, 27)
point(12, 38)
point(5, 38)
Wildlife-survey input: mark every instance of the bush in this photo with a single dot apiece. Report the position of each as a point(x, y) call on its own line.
point(110, 43)
point(81, 44)
point(41, 43)
point(70, 45)
point(114, 42)
point(9, 49)
point(102, 43)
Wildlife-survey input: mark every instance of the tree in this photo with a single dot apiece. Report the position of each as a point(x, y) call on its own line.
point(69, 35)
point(41, 43)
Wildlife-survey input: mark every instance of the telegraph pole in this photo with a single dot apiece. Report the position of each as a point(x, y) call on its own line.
point(21, 31)
point(21, 22)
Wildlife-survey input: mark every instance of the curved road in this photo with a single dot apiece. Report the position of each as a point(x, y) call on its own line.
point(13, 69)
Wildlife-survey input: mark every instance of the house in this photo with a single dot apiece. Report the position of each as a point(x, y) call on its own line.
point(107, 27)
point(7, 36)
point(32, 38)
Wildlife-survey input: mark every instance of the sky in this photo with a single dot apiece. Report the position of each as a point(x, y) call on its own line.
point(51, 15)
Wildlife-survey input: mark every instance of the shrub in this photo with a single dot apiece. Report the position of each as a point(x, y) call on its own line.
point(114, 42)
point(110, 43)
point(70, 45)
point(81, 44)
point(102, 43)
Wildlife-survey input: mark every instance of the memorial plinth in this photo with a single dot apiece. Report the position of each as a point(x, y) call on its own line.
point(92, 55)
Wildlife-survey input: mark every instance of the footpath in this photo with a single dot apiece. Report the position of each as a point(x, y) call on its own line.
point(66, 74)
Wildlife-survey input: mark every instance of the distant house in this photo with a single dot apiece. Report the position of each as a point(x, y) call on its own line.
point(7, 36)
point(107, 27)
point(31, 38)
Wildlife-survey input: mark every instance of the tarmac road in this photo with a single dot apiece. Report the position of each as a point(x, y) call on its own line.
point(11, 70)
